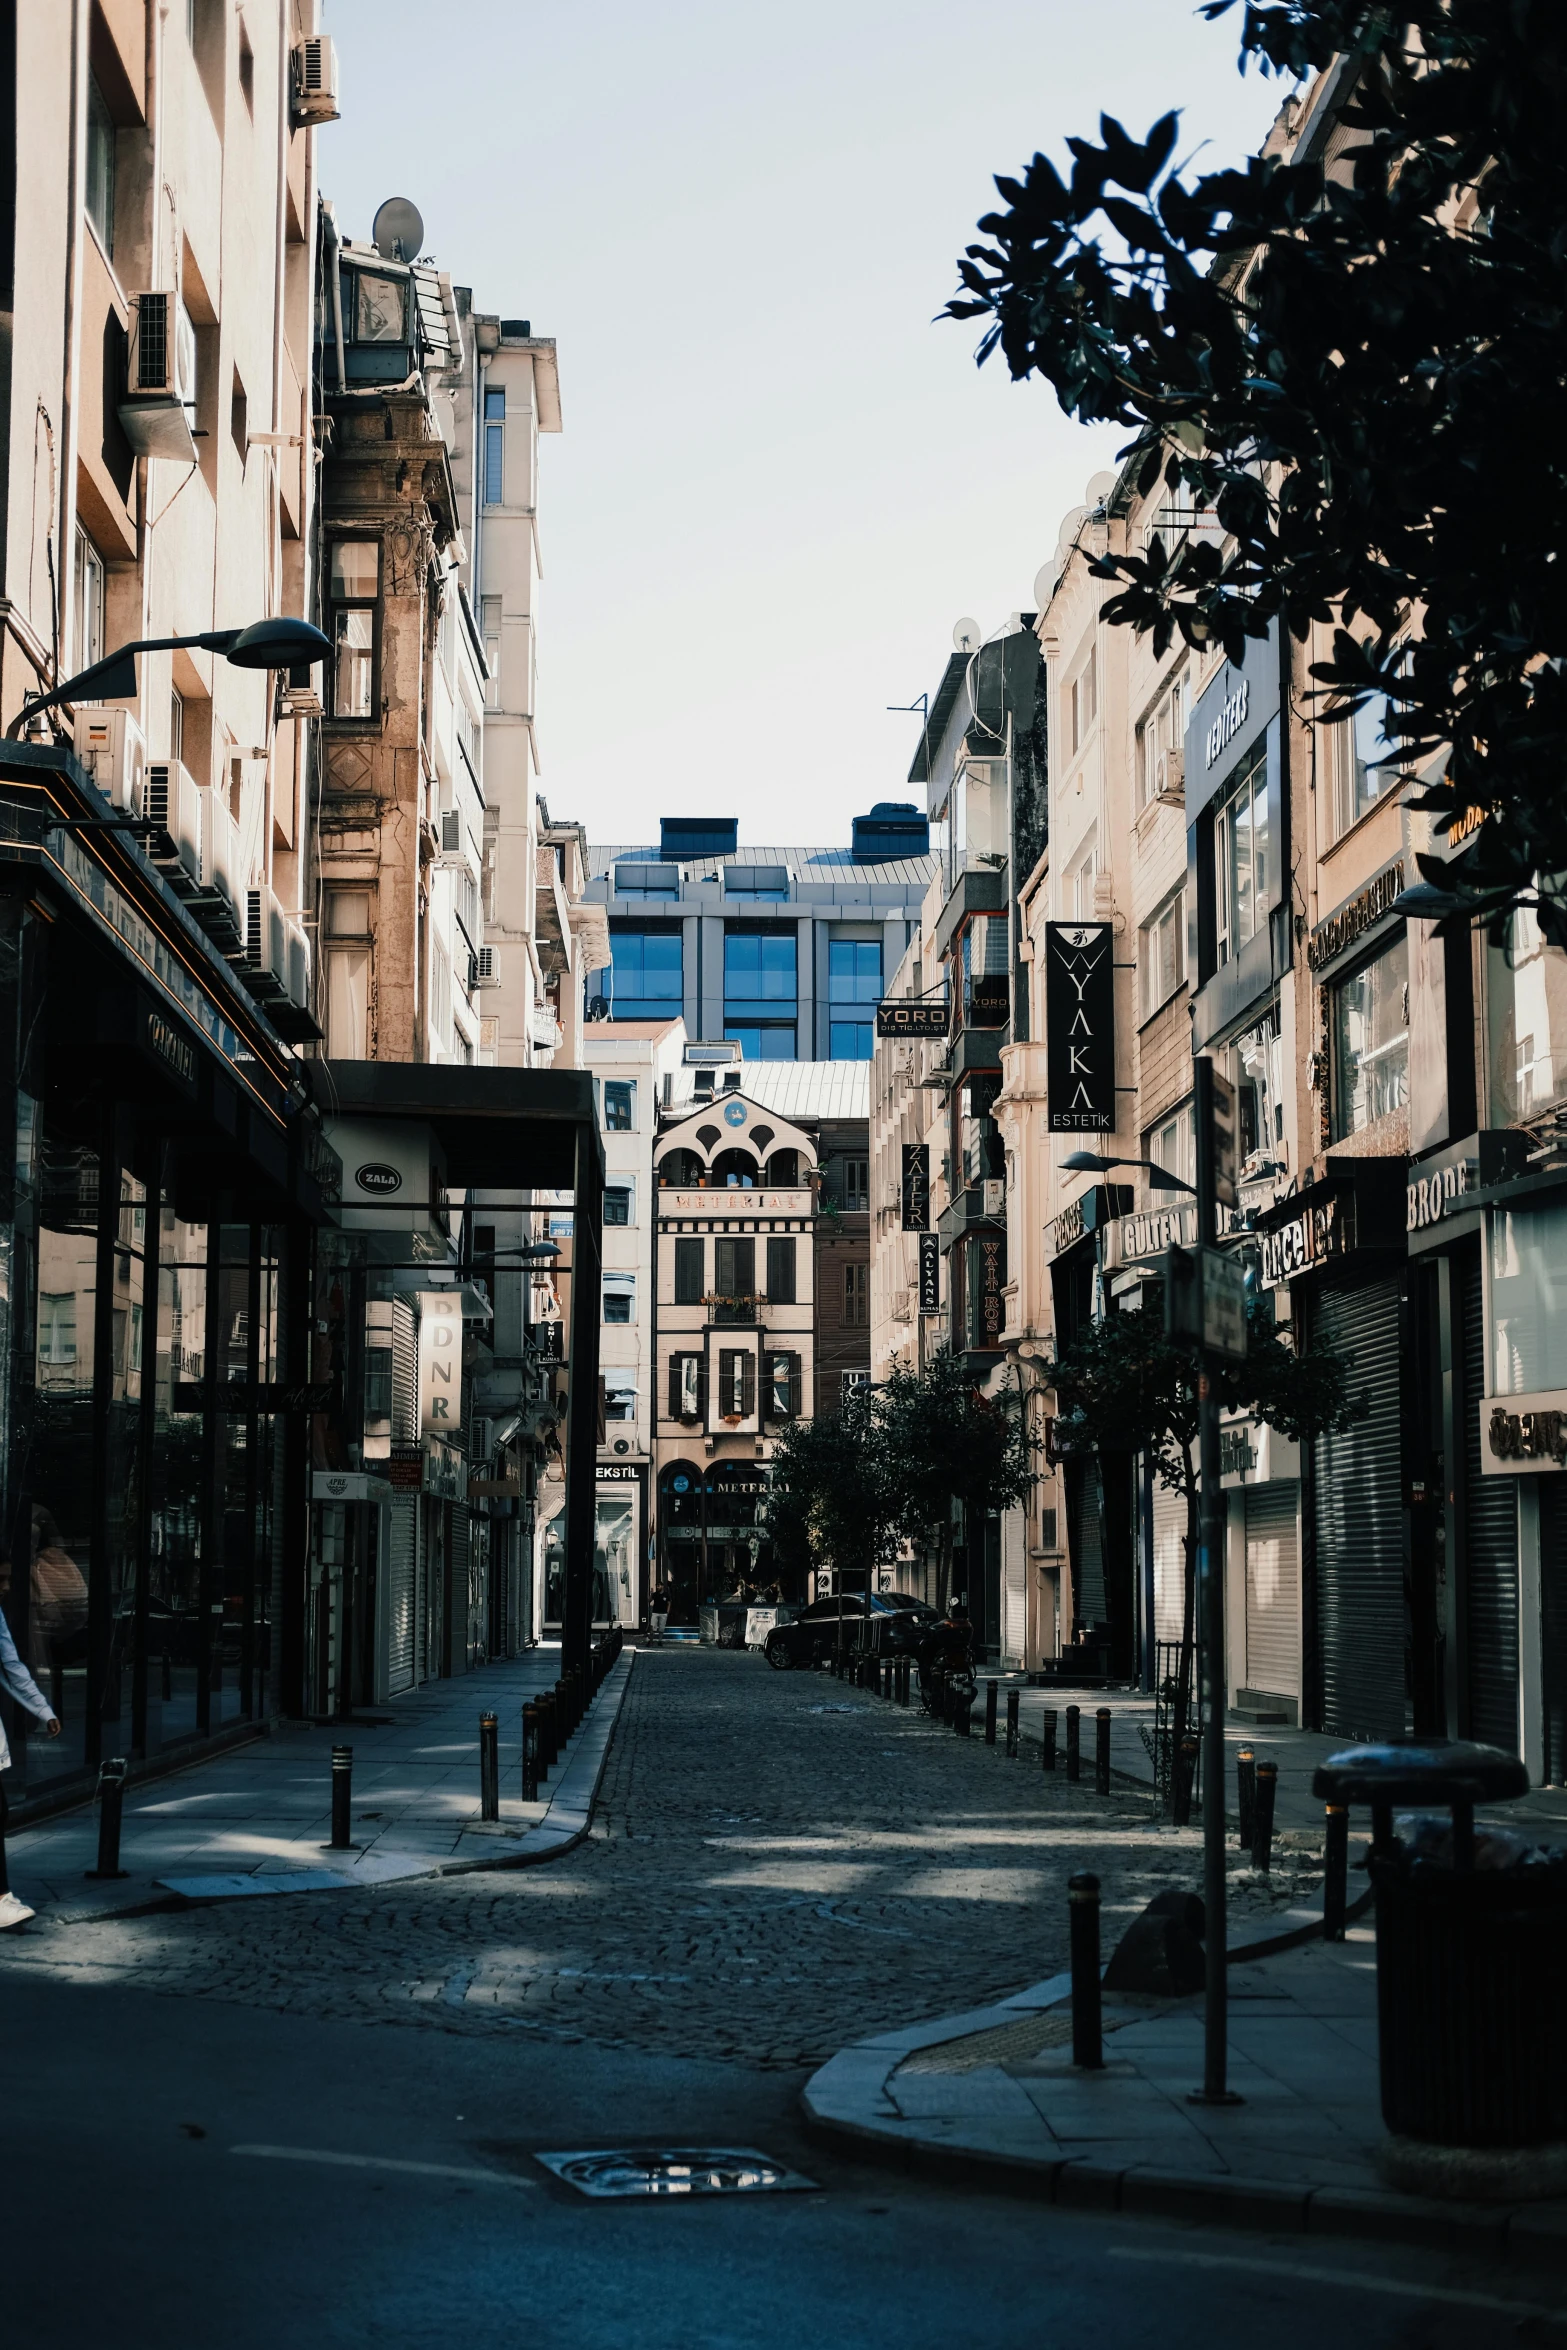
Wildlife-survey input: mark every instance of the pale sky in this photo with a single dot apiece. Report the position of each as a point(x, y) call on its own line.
point(779, 484)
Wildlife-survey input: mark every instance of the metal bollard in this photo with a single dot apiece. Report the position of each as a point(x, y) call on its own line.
point(563, 1720)
point(938, 1693)
point(901, 1684)
point(889, 1678)
point(489, 1767)
point(342, 1798)
point(111, 1801)
point(1262, 1827)
point(1012, 1706)
point(1047, 1732)
point(530, 1754)
point(544, 1709)
point(1335, 1880)
point(1183, 1780)
point(1082, 1893)
point(963, 1715)
point(990, 1713)
point(1074, 1750)
point(1245, 1796)
point(1102, 1751)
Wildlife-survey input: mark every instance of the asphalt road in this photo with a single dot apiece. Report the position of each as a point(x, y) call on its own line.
point(766, 1881)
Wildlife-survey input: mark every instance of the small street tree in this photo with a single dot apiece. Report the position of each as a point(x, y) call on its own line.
point(944, 1440)
point(831, 1502)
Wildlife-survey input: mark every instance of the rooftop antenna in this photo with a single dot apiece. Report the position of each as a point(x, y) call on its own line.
point(965, 637)
point(398, 230)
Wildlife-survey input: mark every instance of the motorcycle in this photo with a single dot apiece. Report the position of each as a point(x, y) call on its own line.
point(946, 1659)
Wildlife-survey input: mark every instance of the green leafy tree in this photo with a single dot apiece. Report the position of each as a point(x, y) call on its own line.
point(831, 1501)
point(1352, 374)
point(944, 1440)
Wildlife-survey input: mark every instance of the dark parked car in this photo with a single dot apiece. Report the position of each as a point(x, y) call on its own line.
point(891, 1624)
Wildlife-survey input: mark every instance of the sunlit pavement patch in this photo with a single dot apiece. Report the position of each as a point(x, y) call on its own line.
point(614, 2171)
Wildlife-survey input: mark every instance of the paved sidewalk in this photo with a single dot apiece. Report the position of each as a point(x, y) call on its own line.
point(994, 2095)
point(258, 1818)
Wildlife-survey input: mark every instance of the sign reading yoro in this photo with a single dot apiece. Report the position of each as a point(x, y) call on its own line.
point(440, 1362)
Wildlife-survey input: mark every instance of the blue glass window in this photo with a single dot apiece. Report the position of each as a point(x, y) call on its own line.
point(851, 1040)
point(645, 981)
point(853, 985)
point(759, 975)
point(494, 448)
point(762, 1040)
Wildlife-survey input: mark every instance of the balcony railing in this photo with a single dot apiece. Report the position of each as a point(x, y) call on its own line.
point(731, 1309)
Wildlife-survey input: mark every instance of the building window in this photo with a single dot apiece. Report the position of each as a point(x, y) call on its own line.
point(761, 993)
point(620, 1105)
point(617, 1203)
point(736, 1385)
point(620, 1401)
point(734, 1268)
point(689, 1284)
point(647, 881)
point(1085, 700)
point(1172, 1145)
point(1366, 756)
point(100, 166)
point(354, 591)
point(490, 622)
point(348, 1001)
point(856, 1297)
point(783, 1387)
point(856, 1183)
point(495, 448)
point(619, 1295)
point(645, 977)
point(1164, 953)
point(1243, 847)
point(1371, 1041)
point(1161, 744)
point(780, 1272)
point(87, 602)
point(687, 1400)
point(853, 989)
point(756, 881)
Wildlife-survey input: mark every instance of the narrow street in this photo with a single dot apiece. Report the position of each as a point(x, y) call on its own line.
point(778, 1864)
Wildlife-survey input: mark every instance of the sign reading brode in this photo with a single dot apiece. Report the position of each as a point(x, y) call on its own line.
point(440, 1362)
point(1523, 1433)
point(1080, 1027)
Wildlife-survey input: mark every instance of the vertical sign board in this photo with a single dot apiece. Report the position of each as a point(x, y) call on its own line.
point(440, 1362)
point(930, 1273)
point(916, 1186)
point(1080, 1027)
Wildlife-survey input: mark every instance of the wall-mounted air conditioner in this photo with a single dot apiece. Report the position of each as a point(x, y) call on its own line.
point(171, 801)
point(1169, 775)
point(315, 80)
point(220, 865)
point(486, 969)
point(546, 1029)
point(160, 386)
point(109, 745)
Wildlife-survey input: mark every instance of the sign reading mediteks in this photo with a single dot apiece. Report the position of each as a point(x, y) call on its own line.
point(912, 1019)
point(916, 1187)
point(1080, 1027)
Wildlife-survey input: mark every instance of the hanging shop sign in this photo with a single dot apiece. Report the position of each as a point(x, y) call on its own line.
point(989, 1000)
point(1080, 1027)
point(1520, 1434)
point(1353, 919)
point(1326, 1229)
point(988, 1256)
point(1139, 1240)
point(930, 1273)
point(916, 1187)
point(440, 1362)
point(1232, 716)
point(912, 1019)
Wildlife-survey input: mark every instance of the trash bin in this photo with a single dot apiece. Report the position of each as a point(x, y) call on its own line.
point(1471, 1948)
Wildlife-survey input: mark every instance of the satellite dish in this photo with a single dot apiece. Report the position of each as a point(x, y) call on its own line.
point(1099, 488)
point(965, 637)
point(1045, 579)
point(398, 230)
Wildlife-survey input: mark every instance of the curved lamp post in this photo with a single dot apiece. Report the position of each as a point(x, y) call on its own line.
point(280, 643)
point(1091, 1163)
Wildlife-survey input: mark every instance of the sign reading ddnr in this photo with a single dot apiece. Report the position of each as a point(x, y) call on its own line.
point(1080, 1027)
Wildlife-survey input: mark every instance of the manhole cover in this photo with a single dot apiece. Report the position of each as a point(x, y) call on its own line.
point(672, 2170)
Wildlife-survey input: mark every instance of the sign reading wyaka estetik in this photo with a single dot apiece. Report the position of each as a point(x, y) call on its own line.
point(1080, 1027)
point(895, 1018)
point(916, 1187)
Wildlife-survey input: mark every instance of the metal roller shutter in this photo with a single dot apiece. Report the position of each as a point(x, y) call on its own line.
point(460, 1598)
point(1014, 1586)
point(1490, 1549)
point(1169, 1561)
point(1090, 1604)
point(1553, 1624)
point(402, 1593)
point(1273, 1589)
point(1360, 1524)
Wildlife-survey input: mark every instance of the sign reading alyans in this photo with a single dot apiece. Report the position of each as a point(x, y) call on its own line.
point(1080, 1027)
point(916, 1187)
point(930, 1273)
point(440, 1362)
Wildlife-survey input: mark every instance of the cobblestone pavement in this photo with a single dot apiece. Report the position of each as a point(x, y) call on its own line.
point(779, 1864)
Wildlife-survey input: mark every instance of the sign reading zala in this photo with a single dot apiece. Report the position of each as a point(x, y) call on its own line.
point(1080, 1027)
point(440, 1362)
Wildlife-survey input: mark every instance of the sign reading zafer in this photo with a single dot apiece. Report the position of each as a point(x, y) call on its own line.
point(1080, 1027)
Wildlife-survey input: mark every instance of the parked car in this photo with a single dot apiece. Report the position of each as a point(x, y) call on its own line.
point(890, 1623)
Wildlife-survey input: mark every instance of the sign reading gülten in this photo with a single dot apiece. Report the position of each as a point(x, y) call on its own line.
point(1080, 1027)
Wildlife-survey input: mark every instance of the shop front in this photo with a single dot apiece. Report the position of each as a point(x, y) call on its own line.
point(1260, 1473)
point(712, 1543)
point(620, 1544)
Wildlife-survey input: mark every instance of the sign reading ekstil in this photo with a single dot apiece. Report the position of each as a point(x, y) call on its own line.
point(440, 1362)
point(1080, 1027)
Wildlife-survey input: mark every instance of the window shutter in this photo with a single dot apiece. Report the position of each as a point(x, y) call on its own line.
point(724, 1267)
point(728, 1380)
point(747, 1386)
point(688, 1272)
point(676, 1387)
point(780, 1272)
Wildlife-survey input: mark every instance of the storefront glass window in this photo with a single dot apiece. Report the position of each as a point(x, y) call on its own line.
point(615, 1559)
point(1526, 1008)
point(1526, 1309)
point(1371, 1041)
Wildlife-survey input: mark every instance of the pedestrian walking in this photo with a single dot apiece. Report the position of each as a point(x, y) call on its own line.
point(17, 1682)
point(658, 1610)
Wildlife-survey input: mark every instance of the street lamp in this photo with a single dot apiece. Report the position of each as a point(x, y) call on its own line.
point(1091, 1163)
point(279, 643)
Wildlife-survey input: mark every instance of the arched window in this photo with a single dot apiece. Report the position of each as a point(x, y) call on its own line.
point(783, 1170)
point(735, 1167)
point(681, 1168)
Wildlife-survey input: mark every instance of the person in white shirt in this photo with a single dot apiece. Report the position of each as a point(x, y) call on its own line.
point(17, 1682)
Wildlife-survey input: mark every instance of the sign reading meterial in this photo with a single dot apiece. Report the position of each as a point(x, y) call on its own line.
point(912, 1019)
point(440, 1362)
point(1080, 1027)
point(916, 1187)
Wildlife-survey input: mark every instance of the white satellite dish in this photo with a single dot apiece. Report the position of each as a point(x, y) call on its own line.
point(1099, 489)
point(398, 230)
point(965, 637)
point(1045, 583)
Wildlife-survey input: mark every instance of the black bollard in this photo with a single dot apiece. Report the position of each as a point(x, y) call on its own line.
point(489, 1767)
point(1012, 1705)
point(342, 1798)
point(1102, 1751)
point(1262, 1829)
point(1047, 1731)
point(1184, 1778)
point(901, 1681)
point(1335, 1879)
point(990, 1713)
point(111, 1801)
point(530, 1754)
point(544, 1708)
point(963, 1714)
point(938, 1694)
point(1082, 1893)
point(1245, 1796)
point(1074, 1750)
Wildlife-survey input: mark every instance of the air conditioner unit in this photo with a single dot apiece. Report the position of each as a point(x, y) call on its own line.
point(546, 1029)
point(451, 832)
point(171, 802)
point(265, 950)
point(486, 970)
point(160, 384)
point(296, 978)
point(222, 891)
point(1169, 775)
point(109, 745)
point(315, 80)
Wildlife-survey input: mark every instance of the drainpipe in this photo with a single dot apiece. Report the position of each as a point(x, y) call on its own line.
point(334, 246)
